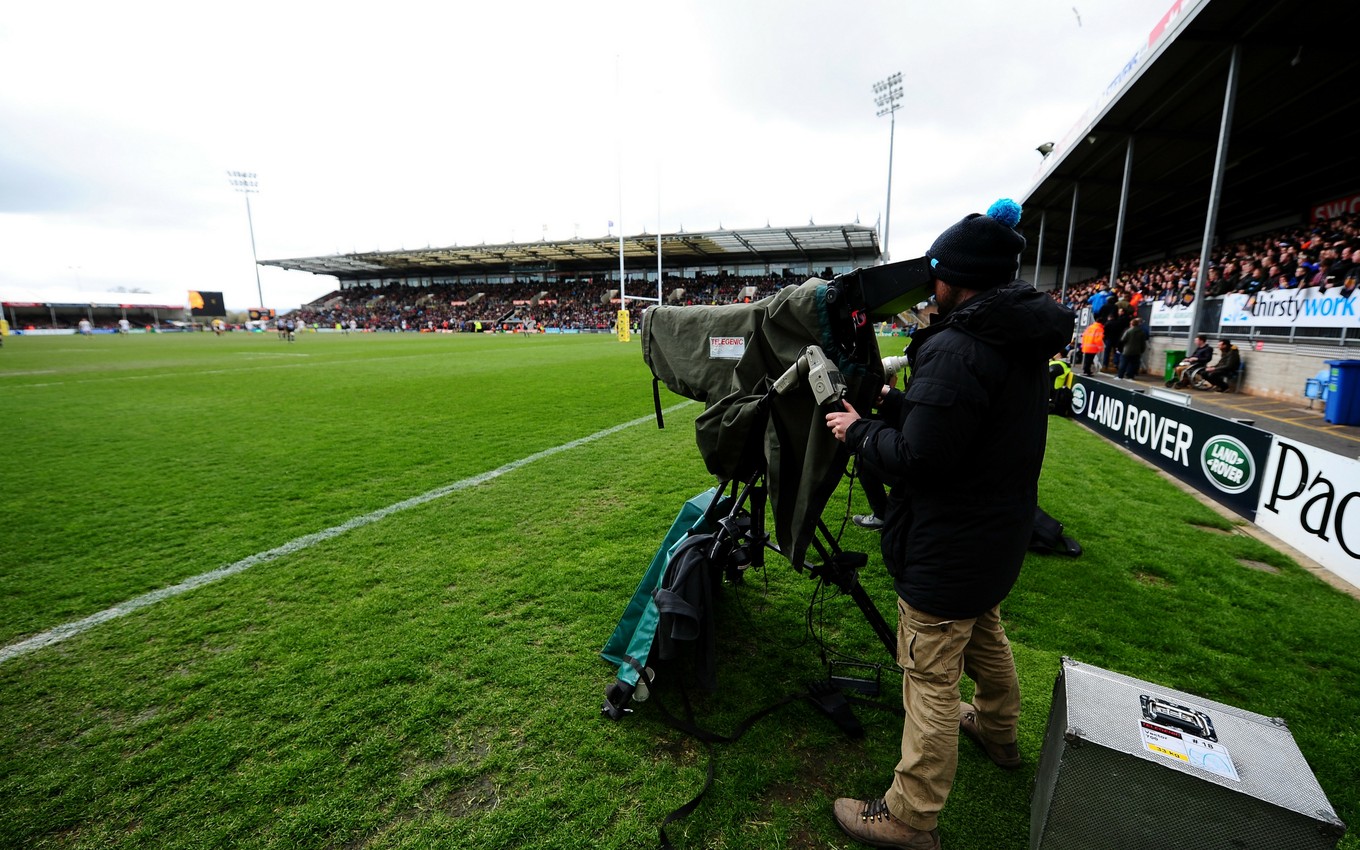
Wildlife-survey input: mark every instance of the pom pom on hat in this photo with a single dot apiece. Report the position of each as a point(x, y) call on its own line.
point(1005, 211)
point(980, 252)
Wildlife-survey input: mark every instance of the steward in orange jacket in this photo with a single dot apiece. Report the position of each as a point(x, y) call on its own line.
point(1092, 343)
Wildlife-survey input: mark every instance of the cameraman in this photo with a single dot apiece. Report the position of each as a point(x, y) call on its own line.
point(962, 445)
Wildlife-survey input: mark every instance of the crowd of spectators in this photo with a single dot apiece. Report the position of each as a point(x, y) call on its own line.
point(1325, 255)
point(567, 304)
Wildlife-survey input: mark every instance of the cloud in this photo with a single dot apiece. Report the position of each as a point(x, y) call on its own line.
point(406, 125)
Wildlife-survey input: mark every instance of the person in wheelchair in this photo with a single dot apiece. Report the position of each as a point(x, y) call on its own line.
point(1217, 375)
point(1197, 361)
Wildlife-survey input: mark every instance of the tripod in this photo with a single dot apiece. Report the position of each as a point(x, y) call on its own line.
point(738, 514)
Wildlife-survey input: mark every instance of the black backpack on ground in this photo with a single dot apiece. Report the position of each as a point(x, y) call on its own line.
point(1047, 538)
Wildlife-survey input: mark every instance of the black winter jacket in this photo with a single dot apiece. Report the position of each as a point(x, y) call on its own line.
point(962, 445)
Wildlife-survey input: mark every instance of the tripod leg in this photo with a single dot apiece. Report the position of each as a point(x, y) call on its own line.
point(839, 568)
point(758, 538)
point(740, 520)
point(876, 621)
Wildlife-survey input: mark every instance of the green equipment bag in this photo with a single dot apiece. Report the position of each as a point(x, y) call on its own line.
point(631, 643)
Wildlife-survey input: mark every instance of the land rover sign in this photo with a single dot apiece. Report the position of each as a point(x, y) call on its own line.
point(1217, 456)
point(1227, 463)
point(1078, 398)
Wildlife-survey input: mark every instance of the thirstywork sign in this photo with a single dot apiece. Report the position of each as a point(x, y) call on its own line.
point(1275, 308)
point(1281, 308)
point(1217, 456)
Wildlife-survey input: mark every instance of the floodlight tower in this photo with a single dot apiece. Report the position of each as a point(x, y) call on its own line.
point(887, 97)
point(247, 184)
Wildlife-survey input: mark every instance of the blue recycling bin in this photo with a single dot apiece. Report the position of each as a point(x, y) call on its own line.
point(1343, 392)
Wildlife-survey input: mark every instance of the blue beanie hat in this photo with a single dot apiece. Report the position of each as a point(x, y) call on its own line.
point(981, 251)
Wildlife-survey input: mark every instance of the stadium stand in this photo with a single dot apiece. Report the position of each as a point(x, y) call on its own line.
point(1318, 256)
point(570, 305)
point(1220, 138)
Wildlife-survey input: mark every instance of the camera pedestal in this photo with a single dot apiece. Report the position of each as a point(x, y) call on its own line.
point(744, 526)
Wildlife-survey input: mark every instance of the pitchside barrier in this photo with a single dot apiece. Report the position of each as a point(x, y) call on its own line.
point(1277, 310)
point(1305, 496)
point(1311, 500)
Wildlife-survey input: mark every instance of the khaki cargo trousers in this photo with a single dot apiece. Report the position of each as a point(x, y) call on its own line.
point(934, 653)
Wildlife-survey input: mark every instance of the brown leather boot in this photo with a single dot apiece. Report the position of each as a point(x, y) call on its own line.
point(870, 822)
point(1005, 756)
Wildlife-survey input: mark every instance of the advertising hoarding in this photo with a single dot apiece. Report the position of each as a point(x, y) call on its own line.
point(1310, 499)
point(1219, 457)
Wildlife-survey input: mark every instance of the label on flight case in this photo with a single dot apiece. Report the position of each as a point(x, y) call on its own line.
point(1183, 747)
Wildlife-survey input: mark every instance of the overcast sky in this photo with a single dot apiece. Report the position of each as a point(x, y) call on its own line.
point(403, 125)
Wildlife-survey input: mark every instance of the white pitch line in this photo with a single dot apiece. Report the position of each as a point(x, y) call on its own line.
point(68, 630)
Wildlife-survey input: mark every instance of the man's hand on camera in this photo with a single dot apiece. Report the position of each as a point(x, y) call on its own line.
point(840, 421)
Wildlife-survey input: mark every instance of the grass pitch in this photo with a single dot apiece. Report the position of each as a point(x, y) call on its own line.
point(430, 678)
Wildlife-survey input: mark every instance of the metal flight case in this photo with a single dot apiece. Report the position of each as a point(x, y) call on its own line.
point(1128, 764)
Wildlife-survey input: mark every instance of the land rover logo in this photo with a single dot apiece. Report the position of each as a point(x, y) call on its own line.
point(1227, 463)
point(1078, 398)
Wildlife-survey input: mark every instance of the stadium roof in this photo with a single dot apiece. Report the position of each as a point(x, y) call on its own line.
point(20, 296)
point(1294, 143)
point(795, 246)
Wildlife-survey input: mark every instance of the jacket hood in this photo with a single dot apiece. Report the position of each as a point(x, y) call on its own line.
point(1015, 317)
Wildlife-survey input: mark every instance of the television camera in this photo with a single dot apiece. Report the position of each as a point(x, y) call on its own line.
point(763, 438)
